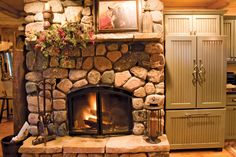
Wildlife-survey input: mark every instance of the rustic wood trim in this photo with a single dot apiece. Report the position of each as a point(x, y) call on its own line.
point(19, 94)
point(194, 12)
point(9, 10)
point(219, 4)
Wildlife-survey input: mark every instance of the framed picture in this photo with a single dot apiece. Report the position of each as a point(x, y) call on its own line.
point(117, 15)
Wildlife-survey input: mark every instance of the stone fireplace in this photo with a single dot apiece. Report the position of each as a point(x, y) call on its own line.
point(100, 90)
point(99, 110)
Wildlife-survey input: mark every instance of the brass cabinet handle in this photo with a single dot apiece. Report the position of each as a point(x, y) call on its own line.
point(194, 73)
point(234, 100)
point(201, 73)
point(196, 114)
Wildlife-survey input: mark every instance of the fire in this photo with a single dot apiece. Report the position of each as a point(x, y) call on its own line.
point(91, 111)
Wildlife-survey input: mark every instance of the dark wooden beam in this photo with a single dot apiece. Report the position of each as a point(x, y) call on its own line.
point(19, 94)
point(5, 8)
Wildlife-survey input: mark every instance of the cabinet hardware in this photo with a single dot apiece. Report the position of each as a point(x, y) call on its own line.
point(201, 73)
point(194, 73)
point(196, 114)
point(234, 100)
point(195, 32)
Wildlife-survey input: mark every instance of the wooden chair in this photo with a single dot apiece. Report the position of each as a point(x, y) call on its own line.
point(5, 105)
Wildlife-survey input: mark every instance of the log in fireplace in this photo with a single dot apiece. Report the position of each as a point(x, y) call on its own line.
point(99, 110)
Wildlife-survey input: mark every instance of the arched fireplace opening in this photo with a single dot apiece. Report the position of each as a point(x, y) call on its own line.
point(99, 110)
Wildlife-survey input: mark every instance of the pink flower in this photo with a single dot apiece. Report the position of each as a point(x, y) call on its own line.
point(61, 33)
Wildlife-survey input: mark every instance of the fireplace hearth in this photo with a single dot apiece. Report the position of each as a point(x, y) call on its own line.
point(99, 110)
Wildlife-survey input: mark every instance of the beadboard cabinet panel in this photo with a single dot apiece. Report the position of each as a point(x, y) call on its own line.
point(180, 57)
point(203, 128)
point(195, 69)
point(230, 127)
point(211, 87)
point(230, 33)
point(192, 24)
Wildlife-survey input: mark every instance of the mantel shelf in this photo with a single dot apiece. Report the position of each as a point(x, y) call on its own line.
point(129, 37)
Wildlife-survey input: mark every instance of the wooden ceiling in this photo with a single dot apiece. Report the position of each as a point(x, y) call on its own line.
point(15, 8)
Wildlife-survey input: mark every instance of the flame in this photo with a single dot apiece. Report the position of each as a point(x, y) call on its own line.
point(91, 111)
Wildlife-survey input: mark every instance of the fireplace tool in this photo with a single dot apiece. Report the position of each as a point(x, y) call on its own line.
point(154, 127)
point(44, 119)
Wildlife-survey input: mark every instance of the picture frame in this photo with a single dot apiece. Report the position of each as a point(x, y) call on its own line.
point(117, 15)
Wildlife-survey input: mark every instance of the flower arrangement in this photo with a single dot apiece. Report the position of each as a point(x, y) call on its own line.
point(69, 35)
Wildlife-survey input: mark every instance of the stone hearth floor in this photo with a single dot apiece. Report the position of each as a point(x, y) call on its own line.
point(121, 146)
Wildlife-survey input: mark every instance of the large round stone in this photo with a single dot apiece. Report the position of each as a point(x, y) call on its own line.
point(102, 64)
point(65, 85)
point(108, 77)
point(94, 77)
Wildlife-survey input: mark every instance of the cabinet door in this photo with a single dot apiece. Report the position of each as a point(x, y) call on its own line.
point(230, 127)
point(180, 63)
point(188, 129)
point(206, 24)
point(178, 24)
point(229, 33)
point(211, 89)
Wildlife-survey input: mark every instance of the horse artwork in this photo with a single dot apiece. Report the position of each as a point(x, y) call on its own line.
point(116, 16)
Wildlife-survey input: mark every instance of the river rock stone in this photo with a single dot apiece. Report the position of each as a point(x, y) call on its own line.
point(121, 78)
point(47, 94)
point(158, 28)
point(67, 63)
point(59, 18)
point(79, 63)
point(126, 62)
point(80, 83)
point(33, 104)
point(108, 77)
point(155, 99)
point(60, 116)
point(34, 27)
point(155, 5)
point(68, 3)
point(160, 88)
point(33, 130)
point(33, 118)
point(157, 61)
point(75, 75)
point(29, 18)
point(59, 104)
point(140, 92)
point(56, 6)
point(114, 55)
point(139, 72)
point(138, 128)
point(38, 17)
point(94, 77)
point(30, 87)
point(150, 88)
point(155, 76)
point(34, 7)
point(34, 76)
point(157, 16)
point(112, 47)
point(54, 62)
point(102, 64)
point(65, 85)
point(87, 64)
point(153, 48)
point(124, 48)
point(101, 50)
point(73, 13)
point(137, 103)
point(87, 20)
point(89, 51)
point(62, 130)
point(88, 2)
point(133, 83)
point(58, 94)
point(55, 73)
point(139, 115)
point(36, 61)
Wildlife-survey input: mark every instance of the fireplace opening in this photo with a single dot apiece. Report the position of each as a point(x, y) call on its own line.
point(99, 110)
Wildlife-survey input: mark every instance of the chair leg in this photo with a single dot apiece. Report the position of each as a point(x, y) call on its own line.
point(8, 112)
point(2, 109)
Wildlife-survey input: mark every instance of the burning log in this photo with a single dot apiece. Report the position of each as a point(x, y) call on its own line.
point(92, 122)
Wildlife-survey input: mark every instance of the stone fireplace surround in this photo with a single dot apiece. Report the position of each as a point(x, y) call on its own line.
point(132, 61)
